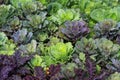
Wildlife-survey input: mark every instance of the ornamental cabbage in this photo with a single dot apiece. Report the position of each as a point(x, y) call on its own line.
point(7, 47)
point(75, 30)
point(36, 61)
point(114, 76)
point(60, 52)
point(17, 3)
point(102, 49)
point(64, 15)
point(5, 10)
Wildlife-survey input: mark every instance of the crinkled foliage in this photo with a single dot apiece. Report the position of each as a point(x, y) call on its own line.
point(64, 15)
point(75, 30)
point(60, 52)
point(13, 67)
point(101, 49)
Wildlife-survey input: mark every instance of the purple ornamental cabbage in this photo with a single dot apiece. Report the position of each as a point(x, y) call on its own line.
point(14, 66)
point(22, 36)
point(75, 30)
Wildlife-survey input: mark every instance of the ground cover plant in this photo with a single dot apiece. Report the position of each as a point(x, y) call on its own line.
point(59, 40)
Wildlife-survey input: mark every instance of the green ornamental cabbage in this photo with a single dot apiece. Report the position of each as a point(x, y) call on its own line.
point(109, 13)
point(29, 48)
point(5, 10)
point(63, 15)
point(32, 7)
point(17, 3)
point(36, 61)
point(7, 47)
point(107, 47)
point(114, 76)
point(86, 45)
point(60, 52)
point(102, 49)
point(35, 21)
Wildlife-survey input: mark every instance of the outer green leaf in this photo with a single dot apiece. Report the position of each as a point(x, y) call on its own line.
point(98, 14)
point(36, 61)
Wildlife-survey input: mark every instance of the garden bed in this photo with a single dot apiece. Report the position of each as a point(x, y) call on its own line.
point(59, 40)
